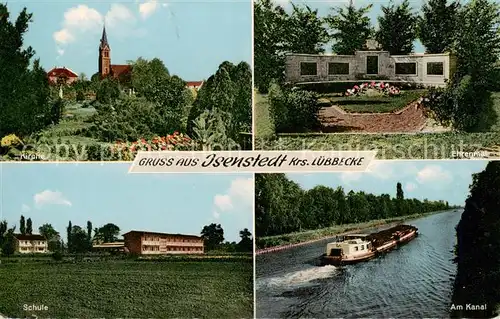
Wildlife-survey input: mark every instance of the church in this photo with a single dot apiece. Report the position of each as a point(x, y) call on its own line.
point(121, 72)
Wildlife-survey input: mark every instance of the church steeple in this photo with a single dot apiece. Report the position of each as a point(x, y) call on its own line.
point(104, 54)
point(104, 38)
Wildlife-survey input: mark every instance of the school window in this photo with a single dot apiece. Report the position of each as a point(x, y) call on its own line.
point(308, 68)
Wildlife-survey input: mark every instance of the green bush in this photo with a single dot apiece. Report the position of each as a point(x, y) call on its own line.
point(293, 110)
point(80, 96)
point(98, 152)
point(57, 256)
point(466, 103)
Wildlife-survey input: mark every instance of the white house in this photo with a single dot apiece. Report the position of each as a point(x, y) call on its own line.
point(31, 244)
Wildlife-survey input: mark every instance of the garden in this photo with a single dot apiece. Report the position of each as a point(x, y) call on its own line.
point(102, 119)
point(127, 288)
point(424, 122)
point(374, 97)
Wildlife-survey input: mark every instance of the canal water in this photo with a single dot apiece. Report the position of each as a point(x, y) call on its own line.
point(413, 281)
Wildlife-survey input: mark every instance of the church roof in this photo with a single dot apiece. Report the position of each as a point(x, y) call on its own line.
point(120, 69)
point(104, 38)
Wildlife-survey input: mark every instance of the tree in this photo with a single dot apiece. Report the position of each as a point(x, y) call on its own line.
point(350, 28)
point(270, 34)
point(3, 231)
point(213, 236)
point(80, 95)
point(89, 235)
point(69, 239)
point(98, 236)
point(229, 92)
point(283, 207)
point(209, 130)
point(25, 90)
point(109, 233)
point(56, 112)
point(478, 242)
point(52, 236)
point(246, 242)
point(22, 225)
point(437, 25)
point(397, 28)
point(305, 31)
point(399, 191)
point(29, 226)
point(168, 94)
point(82, 77)
point(277, 204)
point(145, 75)
point(9, 243)
point(79, 242)
point(477, 40)
point(48, 231)
point(108, 91)
point(319, 208)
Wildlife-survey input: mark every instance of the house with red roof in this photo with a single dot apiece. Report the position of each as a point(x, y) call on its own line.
point(60, 75)
point(194, 84)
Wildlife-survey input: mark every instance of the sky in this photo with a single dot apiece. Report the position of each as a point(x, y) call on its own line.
point(434, 180)
point(324, 8)
point(172, 203)
point(192, 38)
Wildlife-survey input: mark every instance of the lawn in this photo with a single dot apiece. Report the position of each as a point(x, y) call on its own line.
point(128, 289)
point(376, 104)
point(73, 123)
point(264, 126)
point(390, 146)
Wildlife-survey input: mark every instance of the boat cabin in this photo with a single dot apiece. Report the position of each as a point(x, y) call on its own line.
point(354, 236)
point(349, 247)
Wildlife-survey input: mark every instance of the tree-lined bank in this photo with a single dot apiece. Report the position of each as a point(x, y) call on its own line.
point(283, 207)
point(285, 241)
point(477, 252)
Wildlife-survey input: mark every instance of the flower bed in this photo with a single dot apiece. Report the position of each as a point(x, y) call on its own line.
point(174, 142)
point(380, 88)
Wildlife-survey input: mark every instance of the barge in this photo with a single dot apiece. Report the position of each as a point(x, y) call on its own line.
point(356, 248)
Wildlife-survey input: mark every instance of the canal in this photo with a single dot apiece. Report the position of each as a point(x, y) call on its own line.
point(414, 281)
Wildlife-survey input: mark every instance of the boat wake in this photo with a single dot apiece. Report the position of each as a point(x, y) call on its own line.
point(299, 278)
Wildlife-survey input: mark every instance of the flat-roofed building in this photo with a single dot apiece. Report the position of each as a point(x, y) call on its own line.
point(110, 247)
point(31, 244)
point(152, 243)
